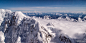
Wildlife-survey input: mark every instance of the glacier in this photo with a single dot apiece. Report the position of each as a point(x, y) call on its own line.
point(16, 27)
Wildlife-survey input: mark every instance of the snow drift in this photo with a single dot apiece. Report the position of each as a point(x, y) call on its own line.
point(18, 28)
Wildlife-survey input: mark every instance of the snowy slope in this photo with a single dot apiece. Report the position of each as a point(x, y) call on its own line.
point(18, 28)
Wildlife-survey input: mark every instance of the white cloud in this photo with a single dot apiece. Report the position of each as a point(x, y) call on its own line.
point(50, 9)
point(34, 8)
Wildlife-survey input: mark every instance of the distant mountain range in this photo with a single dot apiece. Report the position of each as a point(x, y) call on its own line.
point(75, 16)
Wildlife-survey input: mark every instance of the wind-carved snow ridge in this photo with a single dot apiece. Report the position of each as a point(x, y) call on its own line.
point(18, 28)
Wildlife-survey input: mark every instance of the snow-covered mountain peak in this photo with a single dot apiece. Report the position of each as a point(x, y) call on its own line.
point(19, 15)
point(85, 17)
point(3, 13)
point(5, 10)
point(2, 10)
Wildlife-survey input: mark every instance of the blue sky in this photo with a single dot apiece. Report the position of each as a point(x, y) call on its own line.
point(44, 5)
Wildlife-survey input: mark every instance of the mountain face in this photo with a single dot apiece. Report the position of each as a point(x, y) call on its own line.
point(18, 28)
point(16, 24)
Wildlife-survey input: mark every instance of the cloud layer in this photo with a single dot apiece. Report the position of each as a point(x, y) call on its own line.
point(50, 9)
